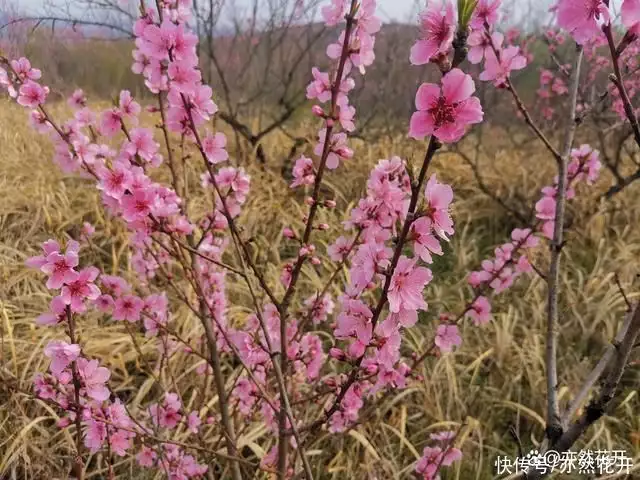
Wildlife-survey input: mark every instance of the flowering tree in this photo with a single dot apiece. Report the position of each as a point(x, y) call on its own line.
point(298, 373)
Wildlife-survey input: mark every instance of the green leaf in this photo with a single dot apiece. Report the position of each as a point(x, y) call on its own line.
point(465, 10)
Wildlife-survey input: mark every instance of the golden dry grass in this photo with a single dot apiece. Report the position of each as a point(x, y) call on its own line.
point(495, 380)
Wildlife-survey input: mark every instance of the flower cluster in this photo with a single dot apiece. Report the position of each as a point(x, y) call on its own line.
point(584, 166)
point(440, 455)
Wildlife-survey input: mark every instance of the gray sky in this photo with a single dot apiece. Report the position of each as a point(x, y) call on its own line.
point(387, 9)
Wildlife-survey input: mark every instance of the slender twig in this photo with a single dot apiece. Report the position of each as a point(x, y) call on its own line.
point(554, 427)
point(78, 463)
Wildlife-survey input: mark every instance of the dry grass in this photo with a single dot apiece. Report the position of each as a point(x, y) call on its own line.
point(495, 380)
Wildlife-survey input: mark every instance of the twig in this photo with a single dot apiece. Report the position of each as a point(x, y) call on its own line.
point(554, 427)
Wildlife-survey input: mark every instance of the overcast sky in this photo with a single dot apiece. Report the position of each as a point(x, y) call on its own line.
point(387, 9)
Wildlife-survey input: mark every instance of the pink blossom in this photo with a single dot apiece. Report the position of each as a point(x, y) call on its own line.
point(128, 107)
point(214, 147)
point(339, 250)
point(168, 414)
point(105, 303)
point(485, 13)
point(193, 422)
point(524, 237)
point(498, 71)
point(88, 230)
point(184, 77)
point(433, 458)
point(436, 32)
point(338, 148)
point(438, 197)
point(95, 434)
point(354, 321)
point(77, 100)
point(333, 13)
point(303, 172)
point(146, 457)
point(137, 205)
point(480, 311)
point(480, 46)
point(141, 143)
point(48, 247)
point(60, 268)
point(128, 307)
point(424, 242)
point(116, 285)
point(546, 208)
point(94, 378)
point(32, 94)
point(320, 87)
point(447, 336)
point(82, 288)
point(581, 17)
point(111, 122)
point(22, 67)
point(446, 113)
point(61, 355)
point(57, 313)
point(407, 284)
point(319, 308)
point(631, 14)
point(345, 116)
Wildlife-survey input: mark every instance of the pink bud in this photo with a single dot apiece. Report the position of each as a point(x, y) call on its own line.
point(337, 354)
point(371, 369)
point(323, 226)
point(330, 122)
point(287, 232)
point(210, 420)
point(64, 422)
point(317, 111)
point(344, 152)
point(330, 382)
point(330, 203)
point(315, 261)
point(309, 201)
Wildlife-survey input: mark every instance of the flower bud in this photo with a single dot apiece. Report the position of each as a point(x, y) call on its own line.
point(337, 354)
point(323, 226)
point(317, 111)
point(315, 260)
point(287, 232)
point(371, 369)
point(309, 201)
point(330, 203)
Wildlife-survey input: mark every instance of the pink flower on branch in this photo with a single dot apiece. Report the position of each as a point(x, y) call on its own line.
point(82, 288)
point(60, 268)
point(437, 29)
point(631, 15)
point(447, 336)
point(485, 14)
point(32, 94)
point(407, 285)
point(480, 311)
point(94, 378)
point(581, 18)
point(498, 70)
point(481, 47)
point(445, 112)
point(61, 355)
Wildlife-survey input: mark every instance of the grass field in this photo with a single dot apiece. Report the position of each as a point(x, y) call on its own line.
point(495, 380)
